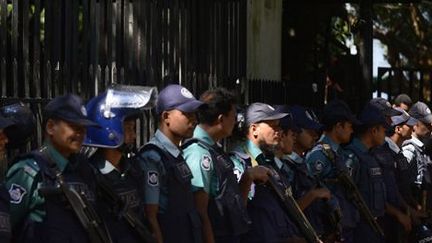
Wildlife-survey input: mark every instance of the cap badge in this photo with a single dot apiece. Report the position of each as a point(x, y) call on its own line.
point(186, 93)
point(428, 111)
point(271, 107)
point(83, 110)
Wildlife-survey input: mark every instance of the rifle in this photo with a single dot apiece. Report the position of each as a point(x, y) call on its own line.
point(293, 210)
point(353, 193)
point(85, 212)
point(334, 214)
point(134, 222)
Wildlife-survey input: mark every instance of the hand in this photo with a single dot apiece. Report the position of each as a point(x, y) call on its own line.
point(322, 193)
point(258, 173)
point(405, 221)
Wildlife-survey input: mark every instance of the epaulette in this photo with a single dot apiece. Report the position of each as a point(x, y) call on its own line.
point(328, 152)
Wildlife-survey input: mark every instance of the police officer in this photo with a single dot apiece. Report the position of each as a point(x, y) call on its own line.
point(391, 161)
point(312, 195)
point(169, 202)
point(369, 175)
point(303, 189)
point(270, 223)
point(48, 215)
point(218, 196)
point(5, 227)
point(119, 178)
point(414, 150)
point(327, 158)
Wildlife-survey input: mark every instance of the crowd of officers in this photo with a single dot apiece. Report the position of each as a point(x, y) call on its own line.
point(287, 177)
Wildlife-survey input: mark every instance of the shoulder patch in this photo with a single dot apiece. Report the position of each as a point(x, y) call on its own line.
point(206, 162)
point(153, 178)
point(16, 193)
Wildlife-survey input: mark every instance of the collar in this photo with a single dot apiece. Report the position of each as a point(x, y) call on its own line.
point(326, 139)
point(55, 155)
point(167, 144)
point(254, 150)
point(417, 142)
point(356, 142)
point(107, 168)
point(392, 145)
point(278, 162)
point(200, 133)
point(294, 157)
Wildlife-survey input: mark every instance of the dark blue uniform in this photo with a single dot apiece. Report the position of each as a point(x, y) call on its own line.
point(370, 182)
point(168, 184)
point(270, 223)
point(128, 185)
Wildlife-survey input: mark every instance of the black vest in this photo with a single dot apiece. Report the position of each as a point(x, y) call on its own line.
point(181, 222)
point(129, 187)
point(60, 223)
point(371, 181)
point(227, 213)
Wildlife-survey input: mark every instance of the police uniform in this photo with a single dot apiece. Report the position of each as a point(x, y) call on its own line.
point(327, 158)
point(370, 182)
point(212, 171)
point(5, 227)
point(120, 188)
point(128, 185)
point(47, 216)
point(39, 213)
point(323, 167)
point(167, 183)
point(270, 223)
point(414, 150)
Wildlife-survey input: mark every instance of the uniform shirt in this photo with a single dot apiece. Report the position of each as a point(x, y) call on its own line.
point(200, 162)
point(413, 150)
point(318, 163)
point(23, 185)
point(155, 181)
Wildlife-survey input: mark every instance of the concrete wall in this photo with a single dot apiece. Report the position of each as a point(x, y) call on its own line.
point(264, 37)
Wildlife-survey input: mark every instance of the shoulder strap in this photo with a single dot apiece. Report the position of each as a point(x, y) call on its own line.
point(166, 158)
point(328, 152)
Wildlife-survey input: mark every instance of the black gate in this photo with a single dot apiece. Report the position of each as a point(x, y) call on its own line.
point(416, 83)
point(51, 47)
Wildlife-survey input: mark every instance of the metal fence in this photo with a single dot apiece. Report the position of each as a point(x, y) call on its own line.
point(51, 47)
point(416, 83)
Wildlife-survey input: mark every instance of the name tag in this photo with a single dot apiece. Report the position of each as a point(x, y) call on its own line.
point(130, 198)
point(375, 171)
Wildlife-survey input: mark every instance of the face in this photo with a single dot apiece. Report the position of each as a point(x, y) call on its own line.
point(344, 131)
point(306, 139)
point(182, 124)
point(129, 130)
point(3, 141)
point(228, 122)
point(287, 140)
point(422, 130)
point(378, 135)
point(404, 131)
point(66, 137)
point(266, 133)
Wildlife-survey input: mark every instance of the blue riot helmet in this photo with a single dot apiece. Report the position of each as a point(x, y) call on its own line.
point(24, 124)
point(111, 108)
